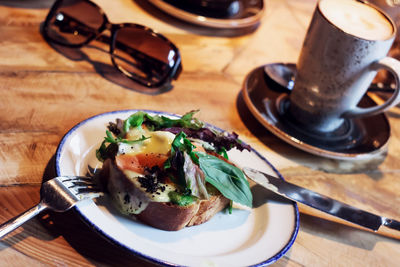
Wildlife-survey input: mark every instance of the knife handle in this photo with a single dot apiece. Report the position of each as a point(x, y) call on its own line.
point(384, 231)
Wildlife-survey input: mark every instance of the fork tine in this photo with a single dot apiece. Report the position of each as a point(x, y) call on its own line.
point(75, 178)
point(86, 192)
point(77, 181)
point(86, 189)
point(83, 194)
point(58, 194)
point(81, 183)
point(82, 186)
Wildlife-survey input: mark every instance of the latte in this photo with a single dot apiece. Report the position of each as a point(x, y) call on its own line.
point(357, 19)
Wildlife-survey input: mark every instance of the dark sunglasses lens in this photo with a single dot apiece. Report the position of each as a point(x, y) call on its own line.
point(144, 56)
point(74, 22)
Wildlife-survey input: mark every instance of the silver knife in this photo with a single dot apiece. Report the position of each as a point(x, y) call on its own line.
point(321, 202)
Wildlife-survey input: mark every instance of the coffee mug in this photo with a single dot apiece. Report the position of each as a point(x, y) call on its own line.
point(346, 44)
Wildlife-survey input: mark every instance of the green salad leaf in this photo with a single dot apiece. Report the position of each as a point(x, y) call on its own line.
point(228, 179)
point(158, 122)
point(135, 120)
point(111, 139)
point(105, 151)
point(180, 199)
point(179, 145)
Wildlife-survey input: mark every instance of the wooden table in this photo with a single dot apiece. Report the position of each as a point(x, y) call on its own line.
point(44, 93)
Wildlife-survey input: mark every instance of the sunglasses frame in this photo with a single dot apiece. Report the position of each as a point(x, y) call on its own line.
point(113, 28)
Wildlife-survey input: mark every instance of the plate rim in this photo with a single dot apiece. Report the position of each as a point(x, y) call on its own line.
point(149, 258)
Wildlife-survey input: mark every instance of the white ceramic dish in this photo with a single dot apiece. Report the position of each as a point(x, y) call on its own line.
point(246, 237)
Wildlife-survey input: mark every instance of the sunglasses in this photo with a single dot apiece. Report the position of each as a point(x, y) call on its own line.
point(138, 52)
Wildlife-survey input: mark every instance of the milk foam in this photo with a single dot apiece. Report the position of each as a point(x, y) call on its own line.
point(357, 19)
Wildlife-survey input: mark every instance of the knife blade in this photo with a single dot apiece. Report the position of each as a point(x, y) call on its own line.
point(320, 202)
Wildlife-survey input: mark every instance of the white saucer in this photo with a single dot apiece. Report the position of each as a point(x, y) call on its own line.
point(248, 15)
point(365, 138)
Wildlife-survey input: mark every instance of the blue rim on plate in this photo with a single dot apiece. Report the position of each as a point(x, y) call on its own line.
point(62, 147)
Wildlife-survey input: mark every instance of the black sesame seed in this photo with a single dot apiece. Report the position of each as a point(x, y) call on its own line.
point(127, 199)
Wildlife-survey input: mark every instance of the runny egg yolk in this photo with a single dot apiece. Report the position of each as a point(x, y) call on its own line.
point(158, 142)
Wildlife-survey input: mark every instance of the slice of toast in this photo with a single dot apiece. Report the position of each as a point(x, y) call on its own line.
point(133, 200)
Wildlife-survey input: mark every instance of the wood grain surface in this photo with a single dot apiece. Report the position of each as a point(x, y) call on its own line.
point(45, 90)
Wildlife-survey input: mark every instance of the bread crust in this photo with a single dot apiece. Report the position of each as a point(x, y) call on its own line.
point(208, 208)
point(163, 215)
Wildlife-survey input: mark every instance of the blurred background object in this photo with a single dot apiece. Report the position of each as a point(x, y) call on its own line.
point(384, 79)
point(214, 13)
point(391, 7)
point(209, 8)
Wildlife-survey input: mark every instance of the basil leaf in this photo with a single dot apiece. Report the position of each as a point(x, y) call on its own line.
point(228, 179)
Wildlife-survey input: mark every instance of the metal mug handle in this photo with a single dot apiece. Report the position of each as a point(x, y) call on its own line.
point(393, 66)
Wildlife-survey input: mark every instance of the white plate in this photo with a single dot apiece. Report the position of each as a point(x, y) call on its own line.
point(246, 237)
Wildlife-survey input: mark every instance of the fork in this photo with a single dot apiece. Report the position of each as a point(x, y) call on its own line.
point(58, 194)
